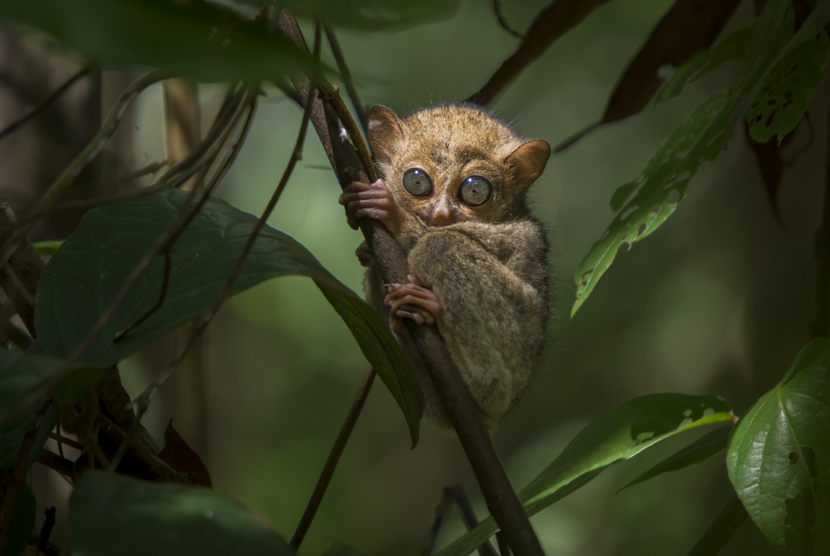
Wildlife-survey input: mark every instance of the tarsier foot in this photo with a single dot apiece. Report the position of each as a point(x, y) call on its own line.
point(363, 200)
point(414, 301)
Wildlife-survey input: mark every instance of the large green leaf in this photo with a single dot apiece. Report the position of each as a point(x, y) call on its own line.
point(369, 15)
point(730, 50)
point(113, 514)
point(782, 445)
point(22, 522)
point(186, 38)
point(20, 373)
point(700, 450)
point(782, 100)
point(616, 436)
point(87, 272)
point(661, 187)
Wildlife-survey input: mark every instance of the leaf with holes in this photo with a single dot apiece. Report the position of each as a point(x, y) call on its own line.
point(782, 445)
point(728, 51)
point(668, 172)
point(85, 275)
point(700, 450)
point(782, 100)
point(114, 514)
point(618, 435)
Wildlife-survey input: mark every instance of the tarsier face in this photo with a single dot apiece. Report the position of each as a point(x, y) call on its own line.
point(455, 163)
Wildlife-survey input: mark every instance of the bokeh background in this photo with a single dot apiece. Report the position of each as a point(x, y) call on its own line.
point(718, 301)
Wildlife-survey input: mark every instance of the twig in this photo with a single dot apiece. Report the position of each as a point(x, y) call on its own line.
point(504, 550)
point(821, 326)
point(182, 217)
point(343, 68)
point(333, 459)
point(722, 529)
point(44, 104)
point(26, 267)
point(554, 21)
point(68, 441)
point(468, 517)
point(503, 21)
point(144, 398)
point(501, 500)
point(85, 157)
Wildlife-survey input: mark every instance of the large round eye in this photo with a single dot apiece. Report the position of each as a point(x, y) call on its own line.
point(417, 182)
point(475, 191)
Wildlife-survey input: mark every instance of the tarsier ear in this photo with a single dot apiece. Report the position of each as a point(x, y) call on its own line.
point(528, 162)
point(384, 132)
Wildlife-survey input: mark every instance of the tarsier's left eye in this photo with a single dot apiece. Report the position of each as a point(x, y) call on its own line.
point(475, 191)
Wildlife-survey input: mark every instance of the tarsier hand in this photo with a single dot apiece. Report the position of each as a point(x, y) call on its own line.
point(415, 301)
point(364, 200)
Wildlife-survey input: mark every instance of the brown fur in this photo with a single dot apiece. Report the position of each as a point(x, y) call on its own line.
point(488, 264)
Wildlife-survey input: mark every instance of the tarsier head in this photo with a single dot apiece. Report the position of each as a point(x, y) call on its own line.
point(454, 163)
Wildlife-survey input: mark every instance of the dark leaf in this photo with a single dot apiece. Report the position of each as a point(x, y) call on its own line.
point(181, 457)
point(110, 514)
point(728, 51)
point(20, 373)
point(782, 445)
point(689, 27)
point(12, 433)
point(22, 523)
point(700, 450)
point(193, 39)
point(86, 273)
point(75, 384)
point(616, 436)
point(340, 549)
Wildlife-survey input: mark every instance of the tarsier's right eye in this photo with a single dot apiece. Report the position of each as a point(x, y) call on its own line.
point(417, 182)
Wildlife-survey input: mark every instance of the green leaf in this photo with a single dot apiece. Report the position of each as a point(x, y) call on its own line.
point(85, 275)
point(340, 549)
point(700, 450)
point(782, 445)
point(371, 15)
point(20, 373)
point(730, 50)
point(616, 436)
point(696, 140)
point(47, 247)
point(109, 511)
point(192, 39)
point(782, 100)
point(75, 384)
point(22, 523)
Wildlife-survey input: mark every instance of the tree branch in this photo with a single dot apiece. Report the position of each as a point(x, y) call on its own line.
point(501, 500)
point(557, 19)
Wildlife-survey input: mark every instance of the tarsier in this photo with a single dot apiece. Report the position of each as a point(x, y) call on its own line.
point(452, 193)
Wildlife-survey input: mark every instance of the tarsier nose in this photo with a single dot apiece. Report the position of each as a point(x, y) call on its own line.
point(442, 213)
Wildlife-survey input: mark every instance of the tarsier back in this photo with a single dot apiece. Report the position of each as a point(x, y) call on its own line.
point(452, 193)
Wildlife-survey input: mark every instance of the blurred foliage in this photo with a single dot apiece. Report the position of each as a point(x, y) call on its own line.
point(718, 303)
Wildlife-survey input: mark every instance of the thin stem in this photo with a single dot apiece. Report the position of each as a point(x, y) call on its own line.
point(68, 441)
point(85, 157)
point(503, 20)
point(333, 459)
point(45, 103)
point(343, 68)
point(821, 326)
point(499, 495)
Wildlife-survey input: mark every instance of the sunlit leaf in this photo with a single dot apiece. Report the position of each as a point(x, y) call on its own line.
point(139, 518)
point(616, 436)
point(700, 450)
point(661, 186)
point(667, 173)
point(47, 247)
point(84, 276)
point(782, 100)
point(728, 51)
point(22, 523)
point(782, 445)
point(688, 27)
point(194, 39)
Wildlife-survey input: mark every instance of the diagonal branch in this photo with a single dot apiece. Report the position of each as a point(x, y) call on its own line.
point(501, 500)
point(557, 19)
